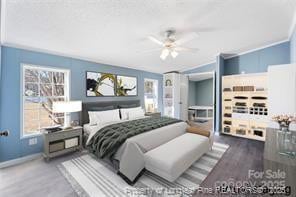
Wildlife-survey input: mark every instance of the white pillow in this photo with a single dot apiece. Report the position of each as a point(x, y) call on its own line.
point(136, 114)
point(125, 112)
point(93, 119)
point(101, 117)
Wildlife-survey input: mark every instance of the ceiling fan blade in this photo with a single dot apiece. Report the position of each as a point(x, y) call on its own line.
point(174, 54)
point(155, 40)
point(186, 38)
point(193, 50)
point(150, 50)
point(164, 53)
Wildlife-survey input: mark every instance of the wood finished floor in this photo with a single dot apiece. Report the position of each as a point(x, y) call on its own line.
point(39, 179)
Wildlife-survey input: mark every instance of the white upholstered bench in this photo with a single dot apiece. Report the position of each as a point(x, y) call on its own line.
point(173, 158)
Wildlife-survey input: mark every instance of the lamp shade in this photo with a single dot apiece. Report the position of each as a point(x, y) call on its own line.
point(66, 106)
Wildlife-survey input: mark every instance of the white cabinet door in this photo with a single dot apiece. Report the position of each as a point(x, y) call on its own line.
point(176, 96)
point(281, 91)
point(184, 97)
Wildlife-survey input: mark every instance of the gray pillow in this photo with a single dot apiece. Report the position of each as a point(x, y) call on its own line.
point(128, 106)
point(105, 108)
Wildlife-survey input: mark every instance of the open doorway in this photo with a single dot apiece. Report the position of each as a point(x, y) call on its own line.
point(201, 100)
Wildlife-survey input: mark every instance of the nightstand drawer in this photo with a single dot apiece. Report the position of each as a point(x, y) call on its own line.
point(71, 142)
point(56, 146)
point(63, 135)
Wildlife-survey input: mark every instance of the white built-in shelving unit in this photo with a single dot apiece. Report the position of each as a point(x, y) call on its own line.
point(245, 105)
point(171, 95)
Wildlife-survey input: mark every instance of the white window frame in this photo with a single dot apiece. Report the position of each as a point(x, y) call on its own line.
point(22, 99)
point(157, 91)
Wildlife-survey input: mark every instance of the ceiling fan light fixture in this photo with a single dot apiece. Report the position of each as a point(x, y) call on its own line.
point(165, 52)
point(171, 45)
point(174, 54)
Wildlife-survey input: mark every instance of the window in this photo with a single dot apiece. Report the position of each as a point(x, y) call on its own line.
point(40, 88)
point(151, 95)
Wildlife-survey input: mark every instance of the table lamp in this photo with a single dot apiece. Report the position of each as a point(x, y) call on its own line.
point(67, 107)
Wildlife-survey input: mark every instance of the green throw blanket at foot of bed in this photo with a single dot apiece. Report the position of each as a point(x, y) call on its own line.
point(108, 139)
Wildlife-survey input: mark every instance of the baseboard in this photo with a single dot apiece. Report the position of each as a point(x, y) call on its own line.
point(20, 160)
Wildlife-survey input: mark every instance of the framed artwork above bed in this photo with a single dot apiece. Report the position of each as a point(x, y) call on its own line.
point(126, 86)
point(100, 84)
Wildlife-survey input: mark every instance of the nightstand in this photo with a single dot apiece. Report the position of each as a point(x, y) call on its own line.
point(154, 114)
point(62, 142)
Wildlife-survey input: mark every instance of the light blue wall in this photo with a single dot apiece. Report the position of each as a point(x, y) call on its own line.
point(258, 61)
point(254, 62)
point(192, 93)
point(200, 92)
point(10, 92)
point(293, 47)
point(204, 92)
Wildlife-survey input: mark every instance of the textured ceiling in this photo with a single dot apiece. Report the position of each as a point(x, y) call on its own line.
point(115, 31)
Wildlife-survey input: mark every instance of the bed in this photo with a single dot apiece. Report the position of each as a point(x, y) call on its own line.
point(128, 159)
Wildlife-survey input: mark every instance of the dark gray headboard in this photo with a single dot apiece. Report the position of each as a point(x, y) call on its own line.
point(92, 106)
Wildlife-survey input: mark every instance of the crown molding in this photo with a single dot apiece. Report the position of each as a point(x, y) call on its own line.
point(241, 53)
point(200, 65)
point(256, 49)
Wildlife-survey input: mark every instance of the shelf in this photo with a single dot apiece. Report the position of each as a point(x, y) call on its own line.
point(263, 92)
point(245, 136)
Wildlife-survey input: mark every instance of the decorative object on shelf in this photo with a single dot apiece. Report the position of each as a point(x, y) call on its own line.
point(249, 88)
point(151, 107)
point(238, 88)
point(67, 107)
point(126, 86)
point(168, 95)
point(100, 84)
point(52, 129)
point(168, 82)
point(75, 123)
point(286, 140)
point(258, 89)
point(259, 97)
point(148, 87)
point(227, 90)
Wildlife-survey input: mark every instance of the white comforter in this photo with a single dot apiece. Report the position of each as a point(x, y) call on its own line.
point(131, 154)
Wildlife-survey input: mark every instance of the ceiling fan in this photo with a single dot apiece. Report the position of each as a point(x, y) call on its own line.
point(172, 46)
